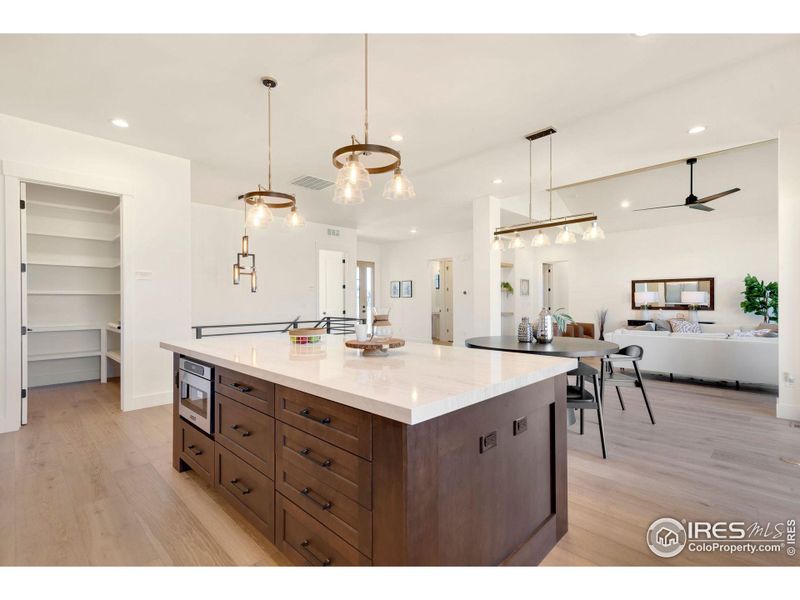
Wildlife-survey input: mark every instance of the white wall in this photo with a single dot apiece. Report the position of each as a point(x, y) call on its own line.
point(411, 317)
point(789, 272)
point(286, 262)
point(155, 230)
point(600, 273)
point(371, 252)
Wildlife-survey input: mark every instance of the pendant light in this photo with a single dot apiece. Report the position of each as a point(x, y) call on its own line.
point(565, 236)
point(516, 243)
point(260, 203)
point(540, 239)
point(353, 176)
point(294, 220)
point(594, 233)
point(239, 269)
point(497, 243)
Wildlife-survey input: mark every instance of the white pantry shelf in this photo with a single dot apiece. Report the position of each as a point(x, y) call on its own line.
point(75, 236)
point(60, 205)
point(71, 293)
point(114, 355)
point(55, 263)
point(62, 355)
point(67, 327)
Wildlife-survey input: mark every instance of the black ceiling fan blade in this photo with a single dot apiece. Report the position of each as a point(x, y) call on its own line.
point(698, 206)
point(720, 195)
point(658, 207)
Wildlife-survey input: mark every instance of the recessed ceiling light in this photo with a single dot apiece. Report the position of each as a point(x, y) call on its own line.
point(413, 230)
point(396, 137)
point(122, 123)
point(697, 129)
point(497, 180)
point(625, 203)
point(640, 34)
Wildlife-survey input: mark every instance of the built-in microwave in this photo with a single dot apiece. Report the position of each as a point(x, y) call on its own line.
point(196, 384)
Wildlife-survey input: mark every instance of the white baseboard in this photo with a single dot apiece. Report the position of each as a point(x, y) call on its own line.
point(148, 400)
point(787, 411)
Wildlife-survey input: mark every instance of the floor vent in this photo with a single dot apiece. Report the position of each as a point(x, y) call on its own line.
point(312, 183)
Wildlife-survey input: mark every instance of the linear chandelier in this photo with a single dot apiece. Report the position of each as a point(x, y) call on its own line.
point(565, 236)
point(353, 176)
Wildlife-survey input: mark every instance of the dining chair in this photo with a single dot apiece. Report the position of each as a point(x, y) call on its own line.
point(608, 376)
point(578, 397)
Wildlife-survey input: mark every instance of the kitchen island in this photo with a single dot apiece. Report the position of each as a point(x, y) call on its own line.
point(431, 455)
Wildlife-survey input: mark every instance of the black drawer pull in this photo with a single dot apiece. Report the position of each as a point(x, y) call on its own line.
point(322, 561)
point(325, 505)
point(194, 450)
point(239, 429)
point(306, 412)
point(240, 486)
point(243, 388)
point(306, 451)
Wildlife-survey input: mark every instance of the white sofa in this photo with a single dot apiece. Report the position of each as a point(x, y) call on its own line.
point(713, 355)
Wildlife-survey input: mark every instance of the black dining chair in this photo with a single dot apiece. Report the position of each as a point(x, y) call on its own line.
point(632, 354)
point(578, 397)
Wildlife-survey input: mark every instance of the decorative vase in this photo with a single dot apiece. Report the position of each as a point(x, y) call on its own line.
point(525, 330)
point(381, 327)
point(544, 328)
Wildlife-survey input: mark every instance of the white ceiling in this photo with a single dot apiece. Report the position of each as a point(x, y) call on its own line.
point(463, 103)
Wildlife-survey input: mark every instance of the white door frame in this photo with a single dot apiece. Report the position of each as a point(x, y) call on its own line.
point(12, 174)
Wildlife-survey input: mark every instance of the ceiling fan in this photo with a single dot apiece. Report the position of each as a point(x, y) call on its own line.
point(693, 201)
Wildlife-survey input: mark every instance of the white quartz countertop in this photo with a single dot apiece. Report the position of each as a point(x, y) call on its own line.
point(412, 384)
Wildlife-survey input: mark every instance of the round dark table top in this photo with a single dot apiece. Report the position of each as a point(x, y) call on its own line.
point(560, 346)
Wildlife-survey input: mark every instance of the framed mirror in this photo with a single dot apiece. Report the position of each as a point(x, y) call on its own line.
point(679, 293)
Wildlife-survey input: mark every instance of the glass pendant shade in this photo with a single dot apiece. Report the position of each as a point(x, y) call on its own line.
point(245, 245)
point(236, 274)
point(354, 173)
point(540, 239)
point(258, 215)
point(497, 244)
point(399, 187)
point(253, 286)
point(348, 194)
point(294, 220)
point(594, 233)
point(565, 236)
point(516, 243)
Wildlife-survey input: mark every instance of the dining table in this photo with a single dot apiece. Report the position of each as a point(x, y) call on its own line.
point(570, 347)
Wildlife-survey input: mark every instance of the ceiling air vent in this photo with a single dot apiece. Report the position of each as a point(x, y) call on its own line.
point(312, 183)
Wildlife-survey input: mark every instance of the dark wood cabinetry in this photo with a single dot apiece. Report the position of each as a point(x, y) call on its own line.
point(333, 485)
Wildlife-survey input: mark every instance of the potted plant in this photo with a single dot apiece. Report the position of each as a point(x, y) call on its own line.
point(506, 287)
point(760, 298)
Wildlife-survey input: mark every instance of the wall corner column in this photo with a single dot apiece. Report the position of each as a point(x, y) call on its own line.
point(486, 267)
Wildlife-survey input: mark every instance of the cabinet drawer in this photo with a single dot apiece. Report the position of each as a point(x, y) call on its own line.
point(197, 451)
point(344, 472)
point(306, 542)
point(250, 491)
point(342, 515)
point(255, 393)
point(247, 432)
point(343, 426)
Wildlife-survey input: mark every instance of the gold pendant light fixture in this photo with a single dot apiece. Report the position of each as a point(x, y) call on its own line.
point(354, 175)
point(541, 239)
point(260, 203)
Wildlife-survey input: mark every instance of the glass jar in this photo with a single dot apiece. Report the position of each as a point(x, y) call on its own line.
point(381, 327)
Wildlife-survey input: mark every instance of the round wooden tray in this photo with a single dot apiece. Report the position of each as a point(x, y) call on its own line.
point(376, 347)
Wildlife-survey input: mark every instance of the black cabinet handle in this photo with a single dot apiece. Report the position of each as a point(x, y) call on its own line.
point(325, 504)
point(194, 450)
point(242, 388)
point(306, 412)
point(240, 486)
point(238, 429)
point(322, 561)
point(305, 453)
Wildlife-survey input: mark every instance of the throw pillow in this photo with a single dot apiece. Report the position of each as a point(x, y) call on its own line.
point(681, 326)
point(645, 327)
point(662, 325)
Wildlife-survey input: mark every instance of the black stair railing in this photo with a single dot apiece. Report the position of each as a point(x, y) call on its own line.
point(332, 325)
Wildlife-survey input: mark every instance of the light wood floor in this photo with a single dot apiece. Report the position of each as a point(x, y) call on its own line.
point(84, 484)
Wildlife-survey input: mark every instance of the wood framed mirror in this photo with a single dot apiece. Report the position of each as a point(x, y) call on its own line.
point(671, 294)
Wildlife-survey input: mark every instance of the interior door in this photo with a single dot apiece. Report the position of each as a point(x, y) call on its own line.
point(23, 252)
point(446, 326)
point(331, 283)
point(547, 283)
point(365, 280)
